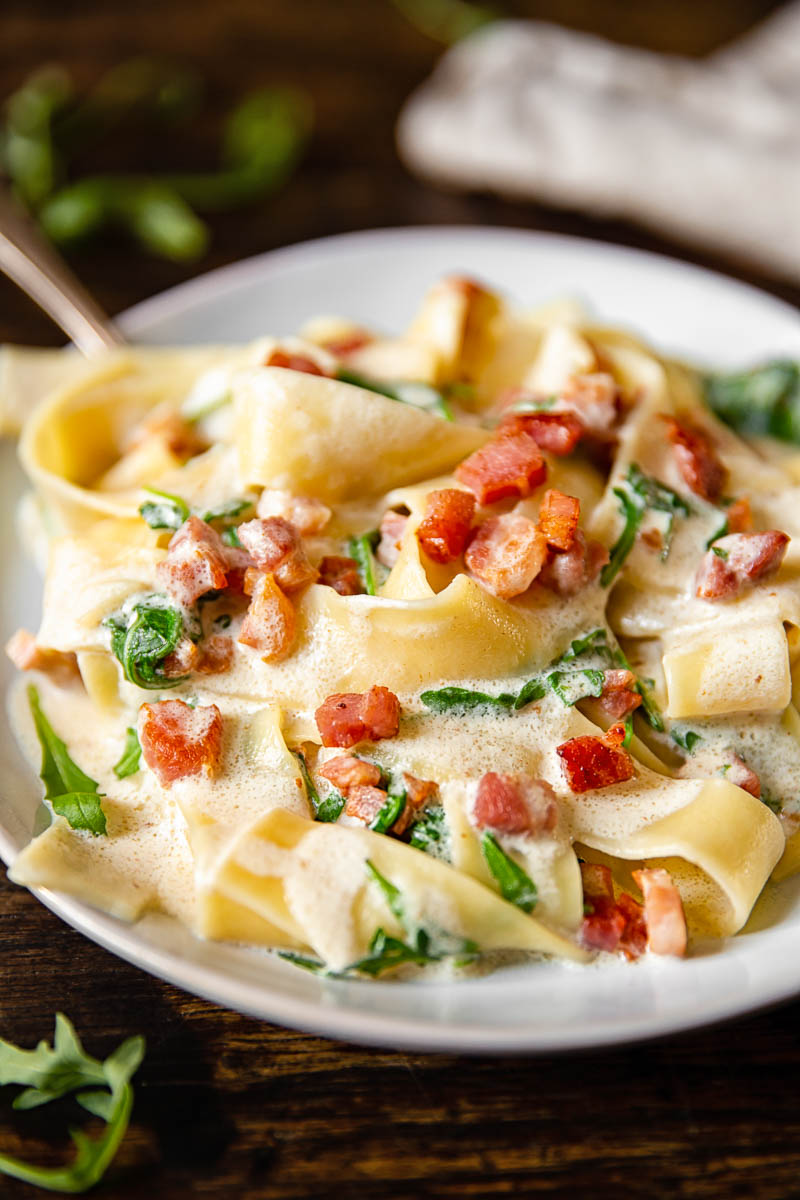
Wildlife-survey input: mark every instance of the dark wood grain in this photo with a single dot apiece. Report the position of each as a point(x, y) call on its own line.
point(230, 1107)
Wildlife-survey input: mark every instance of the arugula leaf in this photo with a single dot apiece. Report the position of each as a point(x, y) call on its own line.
point(687, 739)
point(72, 793)
point(628, 722)
point(656, 494)
point(389, 813)
point(643, 687)
point(430, 831)
point(458, 700)
point(142, 639)
point(231, 538)
point(227, 510)
point(131, 756)
point(327, 810)
point(633, 512)
point(640, 493)
point(515, 885)
point(418, 395)
point(720, 552)
point(572, 686)
point(594, 641)
point(49, 1073)
point(765, 400)
point(169, 512)
point(362, 550)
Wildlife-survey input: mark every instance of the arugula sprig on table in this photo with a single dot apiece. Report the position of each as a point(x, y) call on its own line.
point(71, 792)
point(102, 1088)
point(578, 682)
point(422, 943)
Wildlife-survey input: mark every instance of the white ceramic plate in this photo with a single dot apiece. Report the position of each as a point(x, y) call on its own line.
point(378, 278)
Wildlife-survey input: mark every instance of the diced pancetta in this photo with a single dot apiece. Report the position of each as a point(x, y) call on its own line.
point(594, 399)
point(215, 655)
point(619, 696)
point(27, 655)
point(196, 562)
point(595, 762)
point(294, 362)
point(344, 346)
point(365, 802)
point(556, 432)
point(306, 514)
point(697, 459)
point(275, 546)
point(269, 624)
point(739, 516)
point(566, 572)
point(610, 924)
point(346, 771)
point(341, 574)
point(510, 464)
point(392, 527)
point(178, 435)
point(558, 518)
point(663, 912)
point(178, 741)
point(418, 793)
point(506, 554)
point(443, 531)
point(738, 561)
point(738, 772)
point(181, 661)
point(515, 804)
point(347, 718)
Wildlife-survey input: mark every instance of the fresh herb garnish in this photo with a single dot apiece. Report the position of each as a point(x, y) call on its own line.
point(169, 512)
point(763, 401)
point(102, 1088)
point(131, 758)
point(457, 700)
point(389, 812)
point(418, 395)
point(227, 510)
point(632, 513)
point(231, 538)
point(430, 831)
point(572, 686)
point(534, 689)
point(327, 810)
point(362, 550)
point(687, 739)
point(720, 552)
point(639, 493)
point(71, 792)
point(143, 637)
point(515, 885)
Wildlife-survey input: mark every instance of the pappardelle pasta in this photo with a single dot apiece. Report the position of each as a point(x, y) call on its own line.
point(383, 652)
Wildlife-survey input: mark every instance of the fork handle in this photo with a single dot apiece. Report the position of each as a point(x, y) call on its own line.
point(40, 271)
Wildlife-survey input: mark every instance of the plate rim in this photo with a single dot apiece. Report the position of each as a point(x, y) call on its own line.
point(355, 1025)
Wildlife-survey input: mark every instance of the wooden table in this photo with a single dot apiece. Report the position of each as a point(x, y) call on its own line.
point(226, 1106)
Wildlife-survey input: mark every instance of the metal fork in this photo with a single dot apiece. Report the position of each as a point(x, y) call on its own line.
point(40, 271)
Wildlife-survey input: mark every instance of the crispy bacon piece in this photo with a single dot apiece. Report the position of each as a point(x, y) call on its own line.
point(595, 400)
point(697, 459)
point(274, 545)
point(347, 718)
point(178, 741)
point(558, 518)
point(305, 513)
point(556, 432)
point(182, 660)
point(567, 572)
point(443, 531)
point(215, 655)
point(294, 362)
point(738, 561)
point(341, 574)
point(596, 762)
point(269, 624)
point(739, 516)
point(515, 804)
point(196, 562)
point(506, 554)
point(610, 924)
point(619, 696)
point(743, 776)
point(346, 771)
point(508, 465)
point(663, 912)
point(418, 793)
point(344, 346)
point(392, 527)
point(365, 802)
point(179, 436)
point(27, 655)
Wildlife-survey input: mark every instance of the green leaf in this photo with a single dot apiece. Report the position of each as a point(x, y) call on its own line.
point(534, 689)
point(594, 641)
point(228, 510)
point(628, 722)
point(51, 1073)
point(632, 513)
point(389, 813)
point(131, 756)
point(143, 637)
point(515, 885)
point(572, 686)
point(762, 401)
point(687, 739)
point(430, 831)
point(231, 538)
point(361, 549)
point(720, 552)
point(418, 395)
point(70, 791)
point(330, 809)
point(391, 894)
point(169, 512)
point(656, 494)
point(458, 700)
